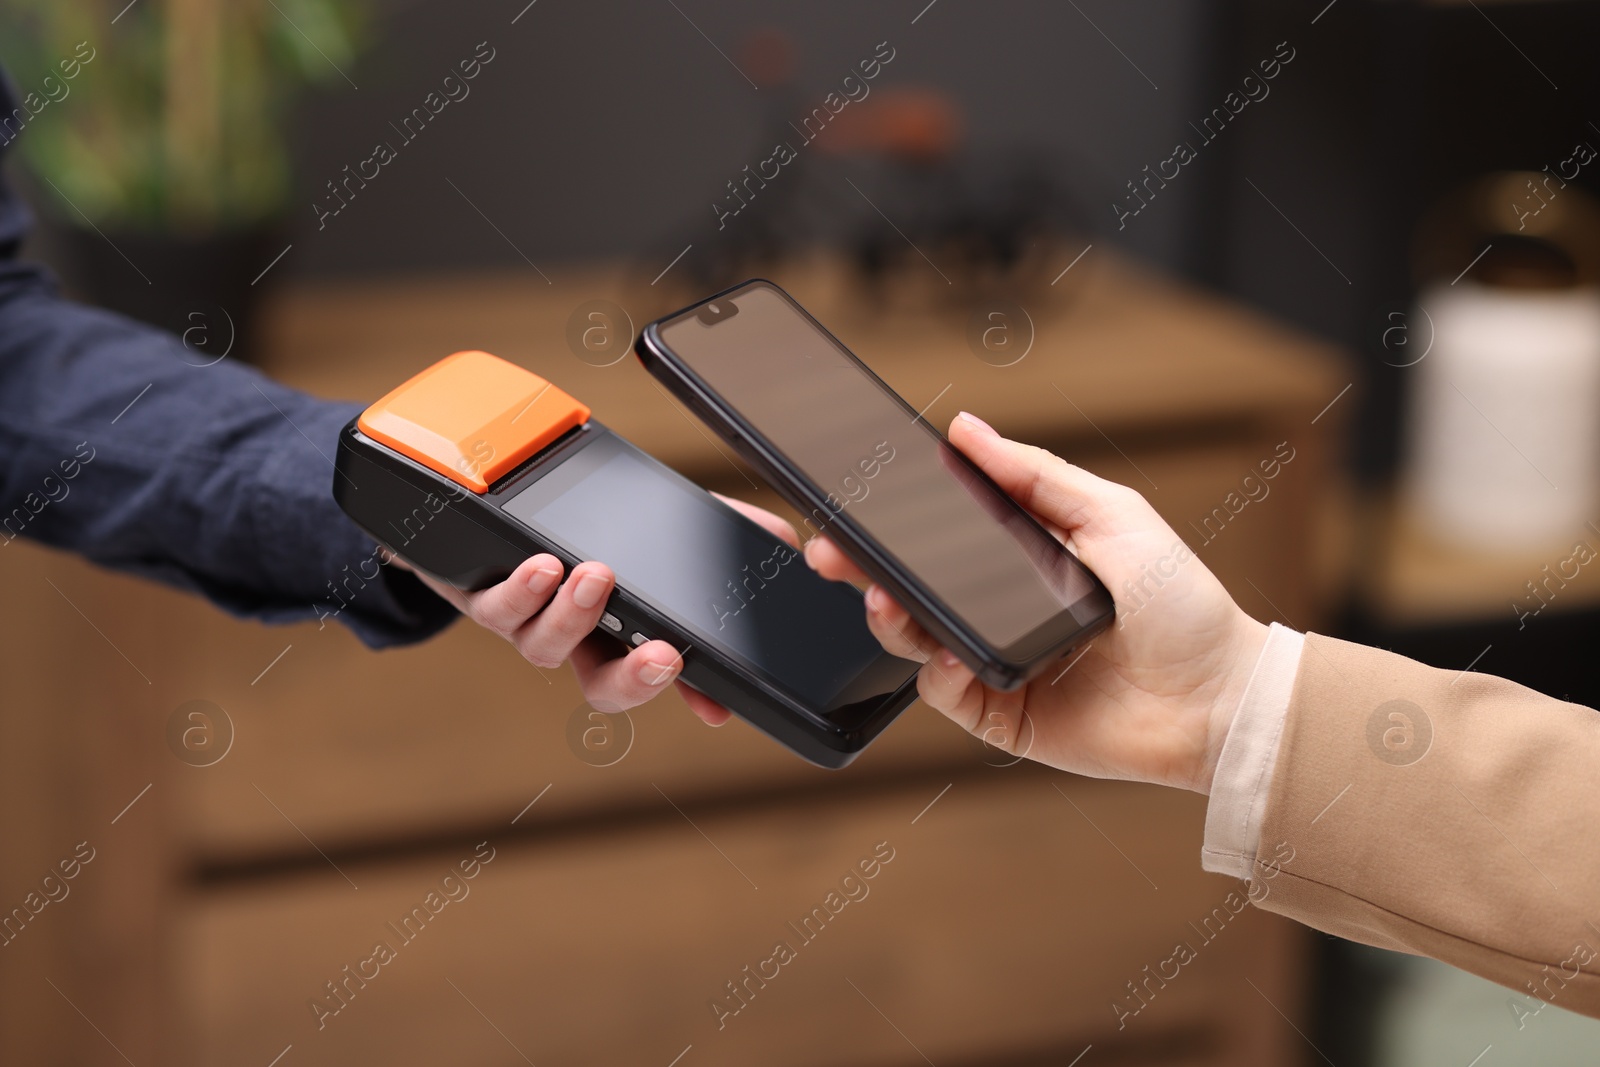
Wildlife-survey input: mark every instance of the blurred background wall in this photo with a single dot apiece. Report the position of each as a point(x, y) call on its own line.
point(1277, 288)
point(605, 130)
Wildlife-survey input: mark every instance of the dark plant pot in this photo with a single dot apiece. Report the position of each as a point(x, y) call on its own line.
point(205, 289)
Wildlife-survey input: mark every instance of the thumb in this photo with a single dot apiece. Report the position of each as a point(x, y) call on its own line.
point(1050, 487)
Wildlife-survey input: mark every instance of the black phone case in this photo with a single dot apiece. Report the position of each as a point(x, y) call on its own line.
point(466, 539)
point(990, 667)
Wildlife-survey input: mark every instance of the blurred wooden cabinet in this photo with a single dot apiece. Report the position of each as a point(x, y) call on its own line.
point(631, 890)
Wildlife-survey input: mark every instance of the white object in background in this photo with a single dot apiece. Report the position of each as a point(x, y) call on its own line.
point(1505, 417)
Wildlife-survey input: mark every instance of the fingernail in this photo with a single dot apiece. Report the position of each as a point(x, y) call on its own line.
point(878, 600)
point(948, 658)
point(590, 590)
point(978, 424)
point(654, 674)
point(543, 579)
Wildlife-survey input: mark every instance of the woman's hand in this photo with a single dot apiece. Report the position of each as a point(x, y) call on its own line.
point(1152, 698)
point(551, 622)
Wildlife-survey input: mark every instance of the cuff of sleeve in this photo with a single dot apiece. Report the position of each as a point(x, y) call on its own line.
point(335, 566)
point(1244, 769)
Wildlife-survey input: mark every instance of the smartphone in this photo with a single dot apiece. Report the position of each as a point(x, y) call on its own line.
point(476, 464)
point(971, 566)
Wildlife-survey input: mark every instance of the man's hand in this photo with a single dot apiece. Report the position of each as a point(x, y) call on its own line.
point(1152, 698)
point(551, 621)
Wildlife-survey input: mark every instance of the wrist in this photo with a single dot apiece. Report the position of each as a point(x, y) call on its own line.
point(1241, 653)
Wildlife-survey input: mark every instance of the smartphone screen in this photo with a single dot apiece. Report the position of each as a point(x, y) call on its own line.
point(881, 465)
point(723, 580)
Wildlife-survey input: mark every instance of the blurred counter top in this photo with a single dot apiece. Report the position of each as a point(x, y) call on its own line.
point(1421, 580)
point(1118, 350)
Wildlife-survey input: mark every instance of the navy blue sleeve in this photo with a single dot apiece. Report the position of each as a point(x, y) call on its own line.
point(214, 478)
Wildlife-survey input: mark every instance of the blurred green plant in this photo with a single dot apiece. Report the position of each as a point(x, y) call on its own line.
point(178, 126)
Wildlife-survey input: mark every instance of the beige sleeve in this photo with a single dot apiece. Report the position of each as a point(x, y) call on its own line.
point(1446, 814)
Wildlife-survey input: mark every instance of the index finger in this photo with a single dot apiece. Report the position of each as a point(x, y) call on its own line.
point(826, 559)
point(764, 518)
